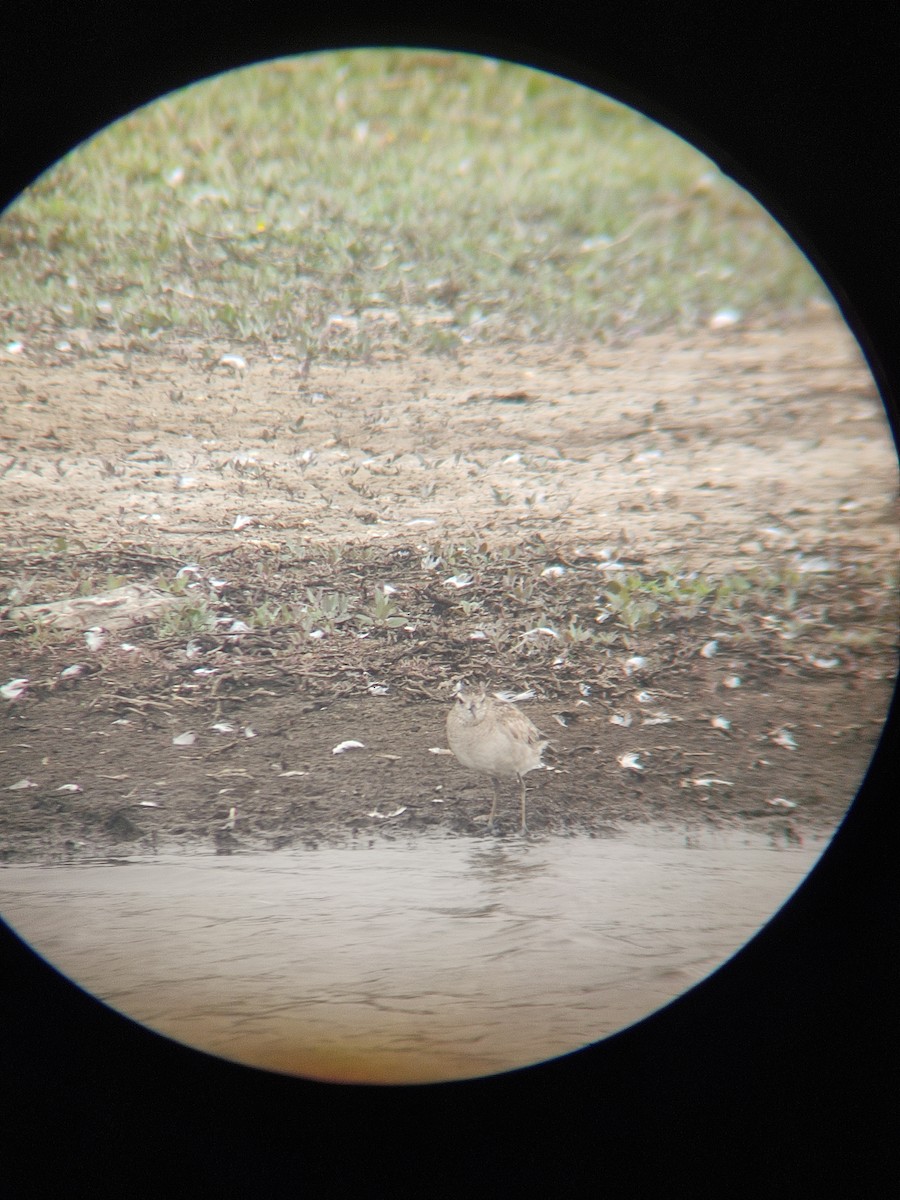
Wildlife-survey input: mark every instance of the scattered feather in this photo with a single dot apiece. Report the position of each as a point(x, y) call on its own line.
point(439, 750)
point(644, 697)
point(387, 816)
point(630, 762)
point(554, 572)
point(96, 637)
point(459, 581)
point(623, 719)
point(291, 774)
point(824, 664)
point(636, 663)
point(21, 785)
point(721, 723)
point(249, 732)
point(813, 566)
point(710, 649)
point(241, 521)
point(233, 360)
point(147, 804)
point(70, 787)
point(780, 802)
point(14, 689)
point(222, 727)
point(709, 780)
point(184, 739)
point(724, 318)
point(73, 671)
point(341, 747)
point(783, 737)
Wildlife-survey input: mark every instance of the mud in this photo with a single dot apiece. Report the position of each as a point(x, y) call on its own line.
point(531, 475)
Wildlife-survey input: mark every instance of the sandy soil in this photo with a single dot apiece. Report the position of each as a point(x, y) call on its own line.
point(734, 452)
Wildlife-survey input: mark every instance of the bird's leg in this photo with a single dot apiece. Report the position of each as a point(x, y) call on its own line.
point(524, 826)
point(494, 805)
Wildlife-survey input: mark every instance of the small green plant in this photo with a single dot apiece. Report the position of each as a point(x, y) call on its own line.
point(267, 614)
point(518, 587)
point(575, 633)
point(41, 634)
point(638, 601)
point(731, 592)
point(175, 585)
point(326, 610)
point(189, 617)
point(330, 553)
point(385, 613)
point(606, 637)
point(470, 606)
point(627, 600)
point(89, 586)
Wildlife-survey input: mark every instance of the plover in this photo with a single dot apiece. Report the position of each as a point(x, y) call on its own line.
point(492, 735)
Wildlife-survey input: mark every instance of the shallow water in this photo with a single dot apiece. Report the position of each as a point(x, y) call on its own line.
point(408, 961)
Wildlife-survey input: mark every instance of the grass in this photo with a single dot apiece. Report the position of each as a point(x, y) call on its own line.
point(426, 200)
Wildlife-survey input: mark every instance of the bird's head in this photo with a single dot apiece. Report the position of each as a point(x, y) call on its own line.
point(471, 702)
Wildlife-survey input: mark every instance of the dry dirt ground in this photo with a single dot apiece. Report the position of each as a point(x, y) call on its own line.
point(501, 492)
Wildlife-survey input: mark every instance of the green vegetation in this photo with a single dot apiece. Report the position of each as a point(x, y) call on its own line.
point(188, 617)
point(344, 204)
point(520, 614)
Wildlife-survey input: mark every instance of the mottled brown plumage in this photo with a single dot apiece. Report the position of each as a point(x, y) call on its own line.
point(493, 736)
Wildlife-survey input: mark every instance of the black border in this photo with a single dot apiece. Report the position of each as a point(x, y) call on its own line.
point(777, 1072)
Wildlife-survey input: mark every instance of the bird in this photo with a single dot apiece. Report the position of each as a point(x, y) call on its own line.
point(491, 735)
